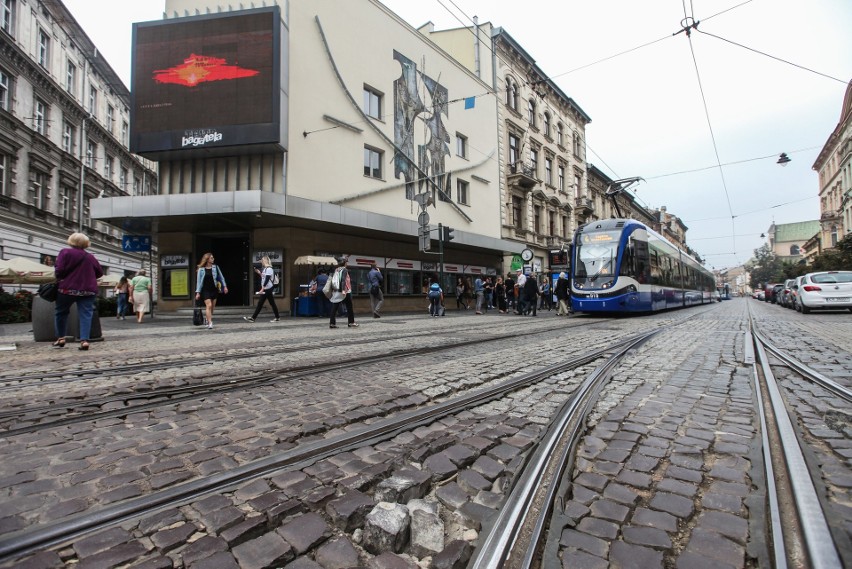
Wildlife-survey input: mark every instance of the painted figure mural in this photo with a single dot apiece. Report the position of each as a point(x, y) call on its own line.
point(429, 159)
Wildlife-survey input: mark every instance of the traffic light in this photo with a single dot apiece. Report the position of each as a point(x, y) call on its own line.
point(448, 234)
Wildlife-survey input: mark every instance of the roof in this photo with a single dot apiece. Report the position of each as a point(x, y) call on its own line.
point(800, 231)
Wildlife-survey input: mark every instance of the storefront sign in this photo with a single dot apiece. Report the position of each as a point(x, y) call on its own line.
point(174, 261)
point(403, 264)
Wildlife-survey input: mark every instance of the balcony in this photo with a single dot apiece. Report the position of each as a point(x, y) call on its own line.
point(522, 175)
point(829, 215)
point(583, 206)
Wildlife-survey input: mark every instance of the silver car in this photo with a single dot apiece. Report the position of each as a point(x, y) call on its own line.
point(826, 290)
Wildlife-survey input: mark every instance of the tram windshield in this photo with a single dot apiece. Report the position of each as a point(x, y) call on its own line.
point(596, 254)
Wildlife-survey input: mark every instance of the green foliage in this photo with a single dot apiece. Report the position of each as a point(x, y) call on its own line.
point(766, 268)
point(15, 306)
point(107, 306)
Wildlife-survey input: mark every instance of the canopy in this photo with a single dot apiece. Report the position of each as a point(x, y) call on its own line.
point(314, 260)
point(109, 280)
point(25, 271)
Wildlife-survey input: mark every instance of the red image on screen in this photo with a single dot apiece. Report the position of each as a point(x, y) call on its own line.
point(197, 69)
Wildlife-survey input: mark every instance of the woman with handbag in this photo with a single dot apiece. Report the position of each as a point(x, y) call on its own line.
point(140, 291)
point(77, 274)
point(341, 293)
point(209, 283)
point(121, 293)
point(267, 288)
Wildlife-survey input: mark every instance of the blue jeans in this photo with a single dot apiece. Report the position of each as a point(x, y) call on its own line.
point(85, 308)
point(122, 304)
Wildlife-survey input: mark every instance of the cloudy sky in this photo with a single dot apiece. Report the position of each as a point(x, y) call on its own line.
point(755, 79)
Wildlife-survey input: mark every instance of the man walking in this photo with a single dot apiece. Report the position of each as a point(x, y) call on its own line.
point(375, 278)
point(479, 291)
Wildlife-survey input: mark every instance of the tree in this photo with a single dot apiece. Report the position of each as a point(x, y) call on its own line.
point(765, 268)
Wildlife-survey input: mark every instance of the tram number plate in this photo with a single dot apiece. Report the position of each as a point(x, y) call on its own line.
point(837, 299)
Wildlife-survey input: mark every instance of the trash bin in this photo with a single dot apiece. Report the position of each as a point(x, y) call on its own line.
point(43, 322)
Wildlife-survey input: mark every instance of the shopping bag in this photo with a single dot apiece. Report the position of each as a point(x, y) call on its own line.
point(48, 291)
point(197, 316)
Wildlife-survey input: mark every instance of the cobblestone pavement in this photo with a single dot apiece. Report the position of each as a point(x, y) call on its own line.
point(667, 475)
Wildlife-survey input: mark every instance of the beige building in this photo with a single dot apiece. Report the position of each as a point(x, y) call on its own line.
point(64, 123)
point(543, 184)
point(787, 240)
point(834, 167)
point(317, 143)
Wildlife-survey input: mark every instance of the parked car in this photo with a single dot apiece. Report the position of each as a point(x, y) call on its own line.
point(758, 295)
point(825, 290)
point(785, 299)
point(776, 293)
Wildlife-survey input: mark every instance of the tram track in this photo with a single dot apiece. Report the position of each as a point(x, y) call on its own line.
point(74, 527)
point(799, 524)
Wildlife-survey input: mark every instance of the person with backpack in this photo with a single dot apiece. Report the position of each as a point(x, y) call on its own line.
point(268, 280)
point(436, 299)
point(338, 289)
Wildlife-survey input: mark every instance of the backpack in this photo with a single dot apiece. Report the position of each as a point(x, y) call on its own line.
point(275, 280)
point(335, 280)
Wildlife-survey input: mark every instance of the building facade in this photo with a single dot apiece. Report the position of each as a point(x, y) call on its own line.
point(365, 138)
point(834, 168)
point(787, 240)
point(64, 127)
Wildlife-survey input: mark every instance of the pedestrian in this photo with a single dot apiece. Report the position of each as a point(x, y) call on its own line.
point(509, 283)
point(341, 294)
point(77, 273)
point(461, 291)
point(121, 293)
point(544, 291)
point(267, 289)
point(479, 291)
point(209, 284)
point(141, 290)
point(530, 294)
point(561, 287)
point(436, 299)
point(375, 278)
point(520, 308)
point(500, 294)
point(323, 303)
point(488, 288)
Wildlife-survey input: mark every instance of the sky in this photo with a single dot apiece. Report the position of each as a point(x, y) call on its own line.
point(701, 117)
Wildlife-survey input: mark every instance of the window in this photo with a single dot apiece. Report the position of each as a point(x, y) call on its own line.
point(462, 188)
point(548, 171)
point(5, 190)
point(69, 137)
point(91, 150)
point(93, 101)
point(551, 223)
point(137, 186)
point(537, 218)
point(71, 78)
point(514, 152)
point(461, 145)
point(38, 189)
point(43, 49)
point(67, 199)
point(576, 144)
point(40, 116)
point(372, 103)
point(110, 117)
point(531, 112)
point(547, 125)
point(834, 236)
point(109, 165)
point(577, 185)
point(794, 249)
point(560, 173)
point(534, 161)
point(122, 178)
point(124, 130)
point(566, 227)
point(517, 209)
point(372, 162)
point(5, 83)
point(560, 135)
point(511, 95)
point(7, 10)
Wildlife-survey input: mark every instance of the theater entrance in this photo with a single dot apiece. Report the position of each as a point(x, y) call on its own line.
point(231, 254)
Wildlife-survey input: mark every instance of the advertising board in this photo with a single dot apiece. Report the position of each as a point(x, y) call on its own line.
point(206, 81)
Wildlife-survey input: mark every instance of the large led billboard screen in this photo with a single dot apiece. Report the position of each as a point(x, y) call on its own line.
point(206, 82)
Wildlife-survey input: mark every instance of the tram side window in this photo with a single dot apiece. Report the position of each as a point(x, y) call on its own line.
point(640, 250)
point(656, 270)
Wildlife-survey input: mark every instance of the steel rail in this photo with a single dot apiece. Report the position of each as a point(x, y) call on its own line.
point(174, 395)
point(499, 546)
point(818, 541)
point(808, 373)
point(29, 540)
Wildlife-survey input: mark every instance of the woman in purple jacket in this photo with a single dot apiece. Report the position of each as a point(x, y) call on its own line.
point(77, 274)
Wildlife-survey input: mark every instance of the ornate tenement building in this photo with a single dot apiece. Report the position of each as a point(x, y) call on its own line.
point(834, 167)
point(64, 124)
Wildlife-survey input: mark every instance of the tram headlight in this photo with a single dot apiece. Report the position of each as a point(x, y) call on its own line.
point(631, 288)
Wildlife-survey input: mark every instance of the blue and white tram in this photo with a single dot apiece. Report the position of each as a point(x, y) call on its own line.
point(620, 265)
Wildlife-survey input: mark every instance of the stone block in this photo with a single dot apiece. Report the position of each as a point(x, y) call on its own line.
point(454, 556)
point(348, 511)
point(386, 528)
point(337, 554)
point(427, 533)
point(406, 484)
point(265, 551)
point(305, 532)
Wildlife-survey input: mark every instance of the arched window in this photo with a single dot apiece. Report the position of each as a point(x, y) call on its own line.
point(834, 236)
point(560, 135)
point(511, 94)
point(531, 111)
point(547, 124)
point(794, 249)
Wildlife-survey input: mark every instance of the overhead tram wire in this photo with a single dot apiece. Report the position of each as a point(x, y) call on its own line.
point(772, 156)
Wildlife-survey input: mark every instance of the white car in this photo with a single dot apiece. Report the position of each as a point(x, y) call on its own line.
point(825, 290)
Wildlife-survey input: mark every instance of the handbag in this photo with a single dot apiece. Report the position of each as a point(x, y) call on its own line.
point(327, 290)
point(48, 291)
point(197, 316)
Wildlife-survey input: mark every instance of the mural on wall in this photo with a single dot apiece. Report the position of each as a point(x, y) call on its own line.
point(429, 161)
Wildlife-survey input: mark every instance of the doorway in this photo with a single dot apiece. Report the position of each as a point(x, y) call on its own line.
point(231, 254)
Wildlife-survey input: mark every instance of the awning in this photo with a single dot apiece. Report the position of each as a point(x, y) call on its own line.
point(314, 260)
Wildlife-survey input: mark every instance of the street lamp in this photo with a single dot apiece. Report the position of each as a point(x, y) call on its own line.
point(783, 159)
